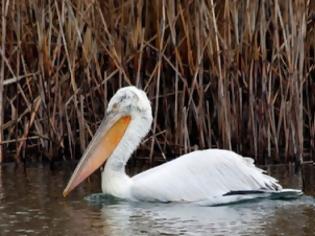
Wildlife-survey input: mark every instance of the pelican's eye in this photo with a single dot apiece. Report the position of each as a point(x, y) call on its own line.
point(115, 107)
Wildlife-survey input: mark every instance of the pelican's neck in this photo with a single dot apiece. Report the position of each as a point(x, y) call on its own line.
point(114, 178)
point(117, 162)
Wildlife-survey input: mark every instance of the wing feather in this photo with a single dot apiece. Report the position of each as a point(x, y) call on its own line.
point(201, 175)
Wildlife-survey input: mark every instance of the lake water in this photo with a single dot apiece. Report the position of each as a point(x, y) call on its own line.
point(31, 203)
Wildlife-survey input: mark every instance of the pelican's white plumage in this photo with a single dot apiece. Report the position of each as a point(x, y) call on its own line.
point(213, 175)
point(201, 175)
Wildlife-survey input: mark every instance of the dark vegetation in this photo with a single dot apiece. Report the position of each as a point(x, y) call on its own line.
point(223, 74)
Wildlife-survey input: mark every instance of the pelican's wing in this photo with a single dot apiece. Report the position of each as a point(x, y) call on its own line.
point(202, 175)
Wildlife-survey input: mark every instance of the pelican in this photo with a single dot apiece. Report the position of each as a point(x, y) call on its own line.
point(207, 176)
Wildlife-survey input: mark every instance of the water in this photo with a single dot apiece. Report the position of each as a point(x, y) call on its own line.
point(31, 203)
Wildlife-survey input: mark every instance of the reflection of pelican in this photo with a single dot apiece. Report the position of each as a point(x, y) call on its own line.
point(258, 218)
point(128, 218)
point(213, 174)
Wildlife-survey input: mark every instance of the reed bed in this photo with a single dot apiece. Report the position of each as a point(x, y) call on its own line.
point(222, 74)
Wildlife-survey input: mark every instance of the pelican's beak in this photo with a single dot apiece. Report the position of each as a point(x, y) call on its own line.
point(106, 139)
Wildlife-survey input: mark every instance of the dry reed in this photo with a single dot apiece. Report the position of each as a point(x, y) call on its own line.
point(223, 74)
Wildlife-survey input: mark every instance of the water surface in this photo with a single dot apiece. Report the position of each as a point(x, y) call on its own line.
point(31, 203)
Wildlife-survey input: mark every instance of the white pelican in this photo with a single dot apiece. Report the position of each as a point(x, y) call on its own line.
point(210, 176)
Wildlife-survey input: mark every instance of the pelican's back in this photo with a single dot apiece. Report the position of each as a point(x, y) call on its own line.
point(200, 175)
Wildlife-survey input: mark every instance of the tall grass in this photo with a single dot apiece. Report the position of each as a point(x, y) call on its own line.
point(222, 74)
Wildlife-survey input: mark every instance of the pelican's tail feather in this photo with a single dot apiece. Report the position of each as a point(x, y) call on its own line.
point(245, 196)
point(286, 193)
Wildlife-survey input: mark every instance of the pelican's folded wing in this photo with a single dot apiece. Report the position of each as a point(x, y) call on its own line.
point(199, 175)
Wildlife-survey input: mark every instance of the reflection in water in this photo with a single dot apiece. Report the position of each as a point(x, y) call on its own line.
point(176, 219)
point(31, 204)
point(261, 217)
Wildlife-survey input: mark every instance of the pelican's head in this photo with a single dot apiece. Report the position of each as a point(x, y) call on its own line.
point(130, 101)
point(128, 119)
